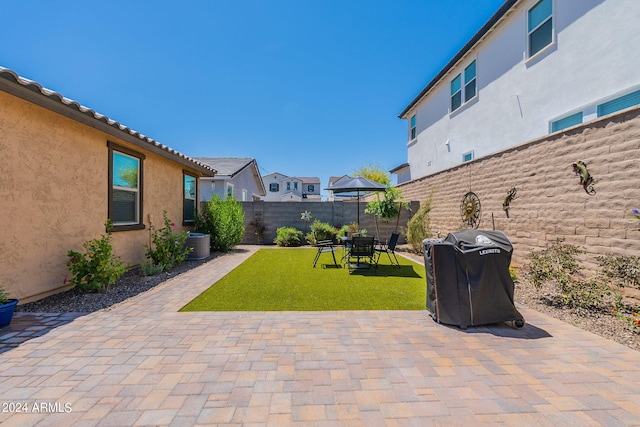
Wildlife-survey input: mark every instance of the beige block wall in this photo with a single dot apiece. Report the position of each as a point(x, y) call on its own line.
point(53, 196)
point(550, 202)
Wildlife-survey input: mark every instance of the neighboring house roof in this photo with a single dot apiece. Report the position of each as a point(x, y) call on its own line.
point(399, 168)
point(228, 166)
point(309, 180)
point(466, 48)
point(33, 92)
point(231, 166)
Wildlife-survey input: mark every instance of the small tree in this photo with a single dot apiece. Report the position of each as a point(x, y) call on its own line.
point(387, 207)
point(223, 220)
point(419, 226)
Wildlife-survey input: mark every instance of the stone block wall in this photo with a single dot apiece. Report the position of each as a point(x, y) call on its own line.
point(550, 202)
point(338, 213)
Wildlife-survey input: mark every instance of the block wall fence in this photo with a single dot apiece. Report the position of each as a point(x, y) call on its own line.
point(550, 202)
point(338, 213)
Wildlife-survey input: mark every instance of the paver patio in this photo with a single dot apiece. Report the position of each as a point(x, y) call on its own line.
point(143, 363)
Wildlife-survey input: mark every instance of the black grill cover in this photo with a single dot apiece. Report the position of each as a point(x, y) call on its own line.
point(468, 280)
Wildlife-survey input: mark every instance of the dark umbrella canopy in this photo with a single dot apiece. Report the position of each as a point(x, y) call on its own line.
point(347, 184)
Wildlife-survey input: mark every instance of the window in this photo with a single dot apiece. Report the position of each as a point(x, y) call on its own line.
point(288, 186)
point(274, 187)
point(295, 185)
point(413, 127)
point(244, 195)
point(189, 201)
point(229, 190)
point(540, 26)
point(467, 157)
point(125, 188)
point(466, 81)
point(620, 103)
point(572, 120)
point(311, 188)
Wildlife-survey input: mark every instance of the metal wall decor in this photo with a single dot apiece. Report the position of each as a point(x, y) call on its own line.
point(470, 210)
point(586, 180)
point(511, 194)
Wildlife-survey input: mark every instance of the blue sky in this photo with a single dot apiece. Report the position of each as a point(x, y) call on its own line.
point(306, 87)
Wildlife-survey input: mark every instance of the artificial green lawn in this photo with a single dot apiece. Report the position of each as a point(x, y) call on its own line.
point(285, 280)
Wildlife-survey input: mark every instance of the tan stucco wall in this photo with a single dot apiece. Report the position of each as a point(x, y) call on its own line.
point(53, 196)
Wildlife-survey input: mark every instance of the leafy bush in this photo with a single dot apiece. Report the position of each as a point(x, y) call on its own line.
point(97, 268)
point(419, 226)
point(557, 262)
point(4, 296)
point(223, 220)
point(320, 231)
point(622, 270)
point(168, 249)
point(592, 293)
point(288, 236)
point(148, 268)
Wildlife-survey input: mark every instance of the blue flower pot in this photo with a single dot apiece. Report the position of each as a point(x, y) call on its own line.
point(6, 312)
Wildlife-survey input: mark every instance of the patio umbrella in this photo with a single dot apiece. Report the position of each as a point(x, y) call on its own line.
point(356, 184)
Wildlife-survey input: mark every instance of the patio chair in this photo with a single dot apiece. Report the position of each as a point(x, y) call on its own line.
point(389, 248)
point(361, 247)
point(324, 246)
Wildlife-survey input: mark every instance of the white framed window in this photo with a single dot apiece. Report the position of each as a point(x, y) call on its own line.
point(244, 195)
point(311, 188)
point(467, 157)
point(125, 188)
point(463, 87)
point(413, 128)
point(229, 190)
point(295, 185)
point(274, 187)
point(539, 26)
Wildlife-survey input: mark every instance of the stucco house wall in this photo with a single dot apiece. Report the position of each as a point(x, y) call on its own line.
point(54, 193)
point(589, 62)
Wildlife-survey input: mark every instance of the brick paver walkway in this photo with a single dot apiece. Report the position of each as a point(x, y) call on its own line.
point(143, 363)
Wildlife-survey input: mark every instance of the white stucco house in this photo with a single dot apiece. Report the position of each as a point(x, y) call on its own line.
point(283, 188)
point(237, 177)
point(536, 67)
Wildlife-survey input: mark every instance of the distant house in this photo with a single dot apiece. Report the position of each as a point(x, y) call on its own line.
point(237, 177)
point(283, 188)
point(331, 196)
point(65, 169)
point(535, 68)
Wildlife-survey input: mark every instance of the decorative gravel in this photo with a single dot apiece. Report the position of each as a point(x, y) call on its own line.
point(600, 322)
point(132, 283)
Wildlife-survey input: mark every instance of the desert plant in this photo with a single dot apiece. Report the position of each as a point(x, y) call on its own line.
point(321, 231)
point(622, 270)
point(419, 226)
point(557, 262)
point(167, 249)
point(223, 220)
point(97, 268)
point(288, 236)
point(148, 268)
point(4, 296)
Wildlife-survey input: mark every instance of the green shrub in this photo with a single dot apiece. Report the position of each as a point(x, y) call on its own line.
point(622, 270)
point(592, 293)
point(419, 226)
point(97, 268)
point(557, 262)
point(148, 268)
point(321, 231)
point(4, 295)
point(288, 236)
point(513, 273)
point(167, 249)
point(223, 220)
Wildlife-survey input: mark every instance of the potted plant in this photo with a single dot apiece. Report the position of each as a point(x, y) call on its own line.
point(7, 307)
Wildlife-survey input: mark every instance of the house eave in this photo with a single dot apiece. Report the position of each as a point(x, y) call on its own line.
point(32, 92)
point(486, 28)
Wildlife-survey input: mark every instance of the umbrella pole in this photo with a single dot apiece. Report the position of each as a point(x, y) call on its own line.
point(358, 210)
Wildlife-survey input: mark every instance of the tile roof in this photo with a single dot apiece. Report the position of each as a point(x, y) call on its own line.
point(71, 108)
